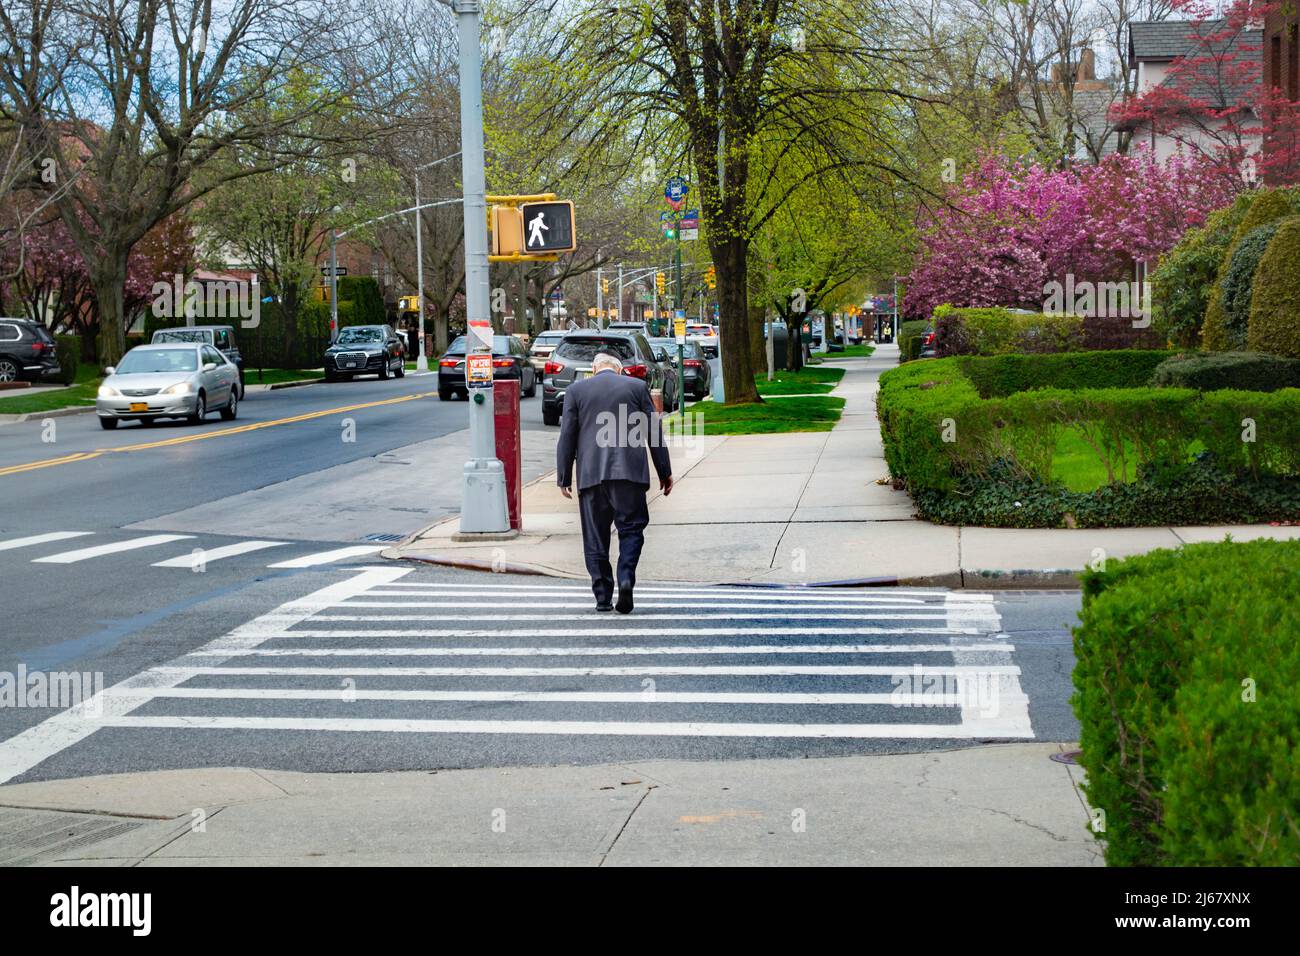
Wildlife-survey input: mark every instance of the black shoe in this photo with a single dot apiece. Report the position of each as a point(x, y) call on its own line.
point(604, 607)
point(624, 605)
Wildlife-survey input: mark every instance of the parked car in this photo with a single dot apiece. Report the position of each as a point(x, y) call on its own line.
point(697, 376)
point(220, 337)
point(509, 360)
point(638, 328)
point(542, 348)
point(572, 360)
point(927, 343)
point(365, 350)
point(668, 362)
point(168, 381)
point(26, 351)
point(706, 334)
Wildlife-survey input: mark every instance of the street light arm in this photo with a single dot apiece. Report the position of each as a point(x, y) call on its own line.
point(400, 212)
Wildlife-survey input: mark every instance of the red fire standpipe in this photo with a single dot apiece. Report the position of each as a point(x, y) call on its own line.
point(509, 450)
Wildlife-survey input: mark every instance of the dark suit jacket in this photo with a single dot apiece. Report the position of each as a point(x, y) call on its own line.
point(608, 421)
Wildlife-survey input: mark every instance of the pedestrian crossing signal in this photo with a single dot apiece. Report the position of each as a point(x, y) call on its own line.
point(548, 227)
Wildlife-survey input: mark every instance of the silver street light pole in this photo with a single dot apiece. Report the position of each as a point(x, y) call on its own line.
point(483, 496)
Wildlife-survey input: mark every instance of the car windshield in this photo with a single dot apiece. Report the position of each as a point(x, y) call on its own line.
point(360, 335)
point(585, 349)
point(500, 345)
point(183, 335)
point(141, 361)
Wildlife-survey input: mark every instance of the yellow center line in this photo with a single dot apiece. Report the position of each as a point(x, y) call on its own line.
point(200, 436)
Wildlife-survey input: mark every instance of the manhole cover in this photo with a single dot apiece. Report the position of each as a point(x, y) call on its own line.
point(33, 836)
point(1070, 756)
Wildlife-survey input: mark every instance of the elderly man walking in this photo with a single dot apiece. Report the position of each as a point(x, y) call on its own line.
point(608, 423)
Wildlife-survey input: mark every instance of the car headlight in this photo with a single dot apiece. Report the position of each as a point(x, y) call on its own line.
point(180, 388)
point(108, 391)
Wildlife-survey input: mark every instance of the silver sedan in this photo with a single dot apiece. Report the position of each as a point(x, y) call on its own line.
point(168, 381)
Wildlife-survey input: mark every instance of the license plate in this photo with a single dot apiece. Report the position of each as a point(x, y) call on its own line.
point(139, 406)
point(349, 364)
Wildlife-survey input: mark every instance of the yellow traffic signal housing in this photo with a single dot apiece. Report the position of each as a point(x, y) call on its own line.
point(407, 303)
point(711, 277)
point(604, 287)
point(507, 231)
point(660, 283)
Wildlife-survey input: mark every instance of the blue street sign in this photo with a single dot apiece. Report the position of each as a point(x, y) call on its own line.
point(675, 191)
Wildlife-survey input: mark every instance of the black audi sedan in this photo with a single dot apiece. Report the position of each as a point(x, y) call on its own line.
point(365, 350)
point(509, 360)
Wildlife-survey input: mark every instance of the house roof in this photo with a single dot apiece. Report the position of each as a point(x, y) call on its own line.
point(1162, 39)
point(1218, 84)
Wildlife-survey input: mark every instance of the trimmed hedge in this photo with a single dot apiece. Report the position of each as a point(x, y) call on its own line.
point(361, 300)
point(1002, 375)
point(909, 339)
point(998, 331)
point(1269, 206)
point(1246, 371)
point(1274, 325)
point(1185, 692)
point(67, 348)
point(1173, 455)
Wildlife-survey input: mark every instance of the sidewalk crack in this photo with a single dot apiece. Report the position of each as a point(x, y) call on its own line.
point(614, 842)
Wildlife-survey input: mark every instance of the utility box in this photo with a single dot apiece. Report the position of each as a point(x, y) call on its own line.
point(505, 394)
point(780, 342)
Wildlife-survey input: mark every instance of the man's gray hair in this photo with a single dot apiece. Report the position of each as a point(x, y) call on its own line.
point(604, 360)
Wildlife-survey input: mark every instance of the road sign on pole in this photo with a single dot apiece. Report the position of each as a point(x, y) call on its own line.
point(675, 191)
point(548, 227)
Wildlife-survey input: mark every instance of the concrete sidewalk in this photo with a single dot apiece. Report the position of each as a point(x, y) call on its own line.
point(980, 806)
point(806, 508)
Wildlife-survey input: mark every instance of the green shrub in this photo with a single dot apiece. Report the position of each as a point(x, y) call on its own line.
point(1185, 682)
point(1245, 371)
point(1236, 282)
point(996, 376)
point(1181, 283)
point(1268, 206)
point(1274, 325)
point(909, 339)
point(360, 301)
point(1169, 455)
point(68, 350)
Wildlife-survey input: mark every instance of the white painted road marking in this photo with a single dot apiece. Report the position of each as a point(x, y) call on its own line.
point(41, 539)
point(598, 651)
point(329, 557)
point(131, 544)
point(208, 555)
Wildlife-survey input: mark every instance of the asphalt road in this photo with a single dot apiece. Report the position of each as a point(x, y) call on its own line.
point(117, 561)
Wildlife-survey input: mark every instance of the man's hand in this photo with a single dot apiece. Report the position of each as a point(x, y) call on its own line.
point(666, 485)
point(566, 491)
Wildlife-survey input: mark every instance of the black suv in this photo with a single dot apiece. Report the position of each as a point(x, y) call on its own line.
point(26, 351)
point(365, 350)
point(509, 360)
point(572, 360)
point(220, 337)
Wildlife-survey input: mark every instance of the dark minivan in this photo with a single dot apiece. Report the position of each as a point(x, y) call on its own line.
point(26, 351)
point(572, 360)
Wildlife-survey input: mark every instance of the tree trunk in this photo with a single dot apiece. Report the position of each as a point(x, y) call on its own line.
point(109, 281)
point(733, 321)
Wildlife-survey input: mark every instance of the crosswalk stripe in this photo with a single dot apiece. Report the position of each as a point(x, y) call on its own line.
point(659, 593)
point(359, 618)
point(208, 555)
point(720, 590)
point(41, 539)
point(564, 727)
point(700, 670)
point(131, 544)
point(556, 696)
point(670, 605)
point(615, 631)
point(597, 651)
point(328, 557)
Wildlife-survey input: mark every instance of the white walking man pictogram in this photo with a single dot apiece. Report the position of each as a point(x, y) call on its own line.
point(535, 230)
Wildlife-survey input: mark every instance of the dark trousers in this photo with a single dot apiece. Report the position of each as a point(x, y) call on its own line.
point(622, 504)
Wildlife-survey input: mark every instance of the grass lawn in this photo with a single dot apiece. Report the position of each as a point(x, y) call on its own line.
point(814, 414)
point(274, 376)
point(853, 351)
point(82, 392)
point(806, 381)
point(1077, 466)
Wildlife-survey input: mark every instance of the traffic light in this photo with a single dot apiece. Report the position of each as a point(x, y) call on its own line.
point(711, 277)
point(604, 286)
point(670, 231)
point(661, 282)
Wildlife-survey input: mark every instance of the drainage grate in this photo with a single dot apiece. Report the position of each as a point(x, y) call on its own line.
point(383, 537)
point(33, 836)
